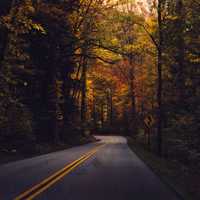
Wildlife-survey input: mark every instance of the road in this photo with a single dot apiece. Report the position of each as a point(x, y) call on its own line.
point(107, 170)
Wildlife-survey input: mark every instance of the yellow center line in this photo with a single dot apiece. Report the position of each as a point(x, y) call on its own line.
point(46, 183)
point(59, 177)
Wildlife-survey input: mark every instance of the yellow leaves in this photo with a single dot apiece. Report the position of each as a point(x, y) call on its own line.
point(171, 17)
point(128, 48)
point(30, 9)
point(136, 48)
point(17, 53)
point(107, 55)
point(73, 76)
point(114, 41)
point(185, 119)
point(19, 20)
point(6, 21)
point(193, 58)
point(21, 25)
point(188, 82)
point(39, 28)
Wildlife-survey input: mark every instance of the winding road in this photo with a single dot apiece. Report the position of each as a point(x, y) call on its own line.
point(106, 170)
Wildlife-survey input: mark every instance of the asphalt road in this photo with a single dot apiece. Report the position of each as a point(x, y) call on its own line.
point(107, 170)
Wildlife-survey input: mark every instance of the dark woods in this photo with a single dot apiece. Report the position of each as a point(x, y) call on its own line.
point(38, 42)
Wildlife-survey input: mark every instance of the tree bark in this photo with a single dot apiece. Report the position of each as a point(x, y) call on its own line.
point(179, 56)
point(6, 37)
point(111, 108)
point(132, 95)
point(102, 115)
point(83, 92)
point(159, 87)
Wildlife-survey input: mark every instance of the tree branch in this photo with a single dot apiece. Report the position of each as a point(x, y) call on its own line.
point(149, 34)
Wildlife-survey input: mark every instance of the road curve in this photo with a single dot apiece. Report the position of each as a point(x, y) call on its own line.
point(105, 172)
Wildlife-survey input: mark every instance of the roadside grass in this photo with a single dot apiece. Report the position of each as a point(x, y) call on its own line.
point(171, 172)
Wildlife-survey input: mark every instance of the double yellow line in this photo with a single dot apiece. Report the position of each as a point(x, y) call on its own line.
point(48, 182)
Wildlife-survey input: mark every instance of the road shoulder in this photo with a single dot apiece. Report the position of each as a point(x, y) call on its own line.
point(169, 172)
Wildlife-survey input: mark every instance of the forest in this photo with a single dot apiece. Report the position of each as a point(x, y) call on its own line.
point(73, 68)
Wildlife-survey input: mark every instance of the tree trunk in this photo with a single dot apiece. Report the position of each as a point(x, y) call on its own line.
point(6, 35)
point(111, 108)
point(159, 88)
point(102, 115)
point(83, 92)
point(179, 57)
point(132, 96)
point(94, 114)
